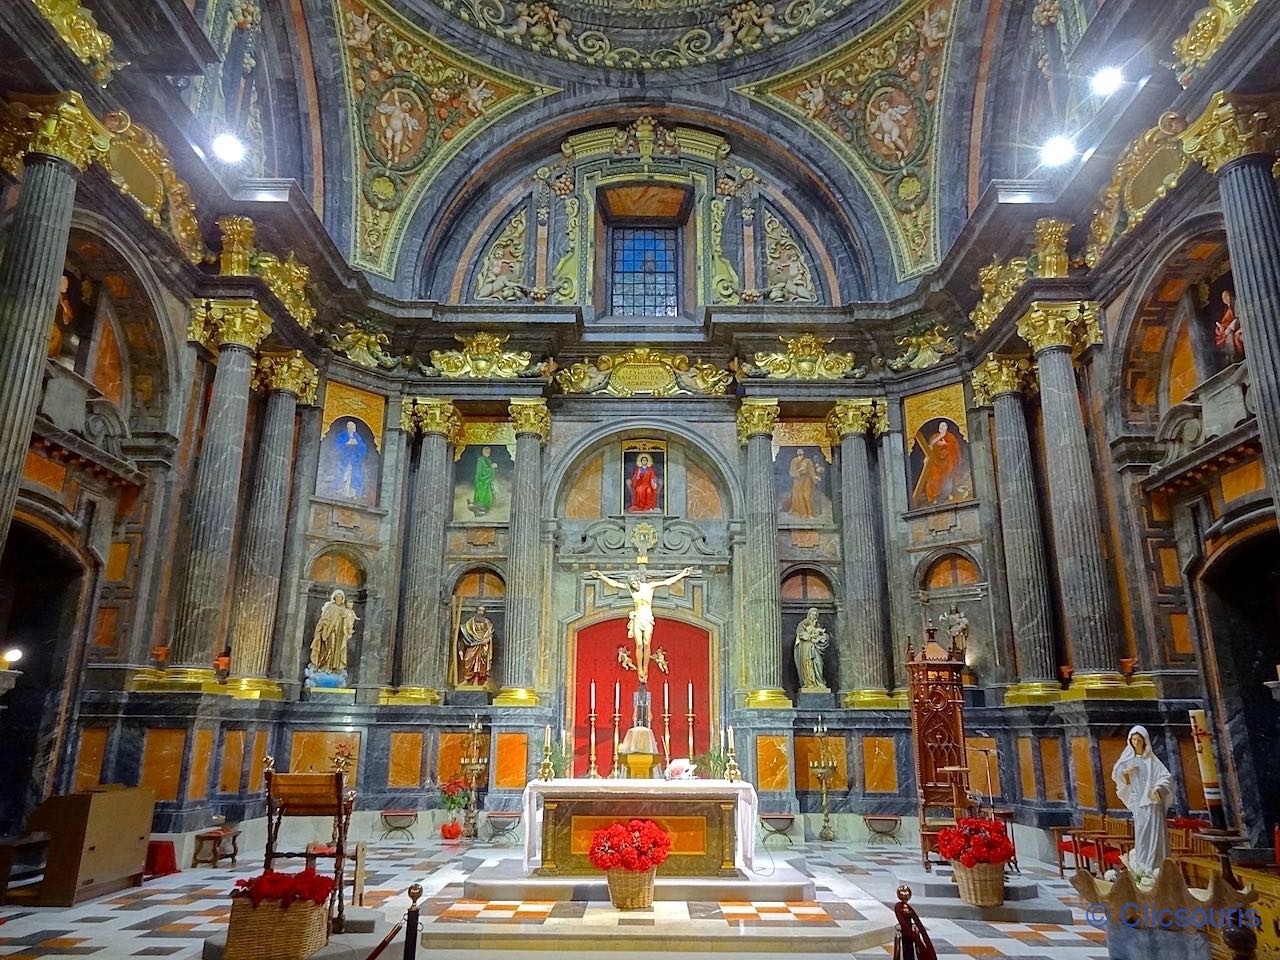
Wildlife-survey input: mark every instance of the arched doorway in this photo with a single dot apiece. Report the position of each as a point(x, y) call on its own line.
point(41, 604)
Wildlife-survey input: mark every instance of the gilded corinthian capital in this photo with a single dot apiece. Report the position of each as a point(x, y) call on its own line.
point(239, 323)
point(854, 417)
point(997, 375)
point(756, 417)
point(531, 416)
point(290, 372)
point(1066, 323)
point(55, 125)
point(1231, 127)
point(237, 246)
point(431, 415)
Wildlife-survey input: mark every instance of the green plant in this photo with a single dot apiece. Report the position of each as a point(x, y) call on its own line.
point(561, 760)
point(712, 763)
point(454, 794)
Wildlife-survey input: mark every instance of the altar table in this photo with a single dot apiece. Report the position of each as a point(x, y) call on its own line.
point(712, 823)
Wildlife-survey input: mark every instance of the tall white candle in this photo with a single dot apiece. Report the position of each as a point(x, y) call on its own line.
point(593, 696)
point(546, 742)
point(666, 697)
point(617, 696)
point(691, 695)
point(730, 736)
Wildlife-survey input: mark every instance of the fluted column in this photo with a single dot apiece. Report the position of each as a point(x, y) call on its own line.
point(422, 650)
point(1236, 139)
point(999, 381)
point(524, 591)
point(863, 666)
point(762, 595)
point(1055, 330)
point(55, 138)
point(287, 379)
point(237, 326)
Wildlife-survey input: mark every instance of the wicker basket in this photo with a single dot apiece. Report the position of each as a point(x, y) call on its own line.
point(981, 885)
point(271, 932)
point(629, 889)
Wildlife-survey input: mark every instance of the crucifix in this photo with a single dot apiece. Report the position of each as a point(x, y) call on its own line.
point(640, 622)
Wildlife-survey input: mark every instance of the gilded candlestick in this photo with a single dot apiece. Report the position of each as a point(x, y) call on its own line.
point(689, 717)
point(666, 736)
point(593, 772)
point(822, 768)
point(616, 770)
point(731, 771)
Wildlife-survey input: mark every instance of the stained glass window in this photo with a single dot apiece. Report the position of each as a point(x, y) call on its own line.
point(643, 275)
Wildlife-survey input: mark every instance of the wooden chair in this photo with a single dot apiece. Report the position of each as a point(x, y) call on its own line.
point(311, 795)
point(1095, 844)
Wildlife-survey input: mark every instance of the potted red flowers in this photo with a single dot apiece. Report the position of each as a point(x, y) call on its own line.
point(288, 911)
point(454, 795)
point(630, 854)
point(978, 851)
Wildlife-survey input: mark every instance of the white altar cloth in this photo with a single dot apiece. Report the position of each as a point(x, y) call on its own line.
point(745, 809)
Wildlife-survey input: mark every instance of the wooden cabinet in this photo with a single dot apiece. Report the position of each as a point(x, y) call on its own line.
point(98, 844)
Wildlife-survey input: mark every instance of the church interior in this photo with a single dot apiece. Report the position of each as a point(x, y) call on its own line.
point(640, 476)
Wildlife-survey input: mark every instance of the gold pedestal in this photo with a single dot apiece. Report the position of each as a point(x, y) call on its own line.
point(769, 698)
point(1033, 693)
point(1110, 686)
point(178, 680)
point(642, 766)
point(409, 696)
point(875, 700)
point(516, 697)
point(254, 688)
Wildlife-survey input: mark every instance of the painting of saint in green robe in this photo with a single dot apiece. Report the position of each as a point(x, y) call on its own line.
point(482, 485)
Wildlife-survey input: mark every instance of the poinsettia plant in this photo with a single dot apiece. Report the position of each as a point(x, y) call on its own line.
point(637, 845)
point(454, 794)
point(973, 841)
point(286, 887)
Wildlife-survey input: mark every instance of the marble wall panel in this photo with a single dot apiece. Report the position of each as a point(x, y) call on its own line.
point(806, 750)
point(512, 761)
point(93, 748)
point(162, 751)
point(1082, 773)
point(984, 767)
point(881, 765)
point(1051, 763)
point(258, 762)
point(586, 497)
point(453, 745)
point(1242, 481)
point(1109, 750)
point(201, 759)
point(232, 761)
point(404, 762)
point(311, 751)
point(1192, 787)
point(773, 772)
point(44, 471)
point(117, 561)
point(703, 500)
point(1027, 768)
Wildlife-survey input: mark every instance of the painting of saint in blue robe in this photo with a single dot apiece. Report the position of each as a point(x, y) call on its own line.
point(349, 462)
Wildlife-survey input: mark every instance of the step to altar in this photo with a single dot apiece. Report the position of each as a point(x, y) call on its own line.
point(935, 895)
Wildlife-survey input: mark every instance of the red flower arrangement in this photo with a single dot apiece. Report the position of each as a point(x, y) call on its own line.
point(638, 846)
point(972, 841)
point(454, 794)
point(286, 887)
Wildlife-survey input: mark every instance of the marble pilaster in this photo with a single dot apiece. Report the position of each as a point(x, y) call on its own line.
point(762, 600)
point(286, 656)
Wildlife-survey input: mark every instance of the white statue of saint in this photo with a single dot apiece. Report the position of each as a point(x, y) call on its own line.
point(1144, 786)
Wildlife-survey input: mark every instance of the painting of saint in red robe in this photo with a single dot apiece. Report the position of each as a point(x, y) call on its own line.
point(643, 482)
point(1226, 332)
point(939, 465)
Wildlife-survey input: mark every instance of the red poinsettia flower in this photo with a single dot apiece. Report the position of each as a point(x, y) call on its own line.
point(972, 841)
point(285, 887)
point(637, 845)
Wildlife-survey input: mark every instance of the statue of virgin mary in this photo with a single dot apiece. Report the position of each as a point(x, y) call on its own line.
point(1144, 786)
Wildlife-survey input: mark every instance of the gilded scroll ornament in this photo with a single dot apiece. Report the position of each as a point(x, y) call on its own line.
point(788, 278)
point(1232, 127)
point(287, 279)
point(57, 125)
point(531, 416)
point(481, 358)
point(1050, 259)
point(804, 357)
point(924, 345)
point(290, 371)
point(646, 138)
point(1148, 170)
point(1000, 283)
point(724, 279)
point(501, 276)
point(1000, 374)
point(79, 31)
point(857, 416)
point(1208, 31)
point(1060, 323)
point(431, 415)
point(565, 276)
point(362, 342)
point(644, 371)
point(756, 417)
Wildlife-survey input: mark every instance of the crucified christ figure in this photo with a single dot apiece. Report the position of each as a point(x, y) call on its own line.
point(640, 623)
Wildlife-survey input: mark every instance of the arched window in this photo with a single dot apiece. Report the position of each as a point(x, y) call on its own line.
point(950, 572)
point(336, 569)
point(806, 585)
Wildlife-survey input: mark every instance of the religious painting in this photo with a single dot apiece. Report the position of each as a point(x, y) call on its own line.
point(802, 473)
point(73, 321)
point(484, 464)
point(1216, 300)
point(350, 465)
point(938, 458)
point(644, 476)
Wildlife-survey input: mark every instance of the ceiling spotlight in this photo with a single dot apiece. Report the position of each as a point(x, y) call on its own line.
point(11, 656)
point(1057, 151)
point(228, 148)
point(1107, 81)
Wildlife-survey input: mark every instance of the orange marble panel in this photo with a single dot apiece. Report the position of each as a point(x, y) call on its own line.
point(1082, 773)
point(1180, 633)
point(1109, 750)
point(162, 752)
point(772, 770)
point(1153, 339)
point(806, 750)
point(201, 757)
point(104, 627)
point(1171, 290)
point(453, 745)
point(702, 496)
point(107, 374)
point(93, 750)
point(881, 765)
point(644, 201)
point(1144, 391)
point(117, 561)
point(586, 496)
point(44, 471)
point(805, 539)
point(404, 763)
point(1243, 480)
point(258, 762)
point(1027, 768)
point(984, 768)
point(688, 834)
point(1170, 574)
point(1192, 782)
point(312, 751)
point(512, 760)
point(1182, 369)
point(1051, 763)
point(232, 761)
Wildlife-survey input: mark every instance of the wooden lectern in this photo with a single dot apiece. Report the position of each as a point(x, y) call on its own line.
point(311, 795)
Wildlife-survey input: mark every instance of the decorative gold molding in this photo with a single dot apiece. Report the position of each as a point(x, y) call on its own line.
point(239, 323)
point(481, 358)
point(924, 345)
point(361, 342)
point(1208, 31)
point(431, 415)
point(288, 279)
point(56, 125)
point(643, 371)
point(1231, 127)
point(1032, 693)
point(1065, 323)
point(291, 372)
point(531, 416)
point(805, 358)
point(997, 375)
point(238, 235)
point(854, 417)
point(79, 31)
point(756, 417)
point(768, 698)
point(1000, 283)
point(1051, 260)
point(200, 326)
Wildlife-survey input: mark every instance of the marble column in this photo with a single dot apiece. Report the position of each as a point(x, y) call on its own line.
point(54, 138)
point(286, 654)
point(1055, 330)
point(860, 647)
point(238, 327)
point(519, 655)
point(423, 650)
point(762, 594)
point(288, 379)
point(1236, 138)
point(999, 382)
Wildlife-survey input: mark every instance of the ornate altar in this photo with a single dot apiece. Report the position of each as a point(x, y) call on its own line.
point(936, 678)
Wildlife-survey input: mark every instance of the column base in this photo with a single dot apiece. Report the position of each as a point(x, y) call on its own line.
point(177, 680)
point(1110, 686)
point(253, 688)
point(409, 696)
point(516, 697)
point(875, 700)
point(769, 698)
point(1031, 693)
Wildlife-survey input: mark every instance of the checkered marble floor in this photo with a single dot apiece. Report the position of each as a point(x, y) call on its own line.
point(171, 916)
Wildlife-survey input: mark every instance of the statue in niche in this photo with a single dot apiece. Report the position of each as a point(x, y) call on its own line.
point(957, 626)
point(1144, 786)
point(475, 649)
point(328, 666)
point(811, 644)
point(640, 622)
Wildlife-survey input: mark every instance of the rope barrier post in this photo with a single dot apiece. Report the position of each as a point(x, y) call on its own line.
point(411, 923)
